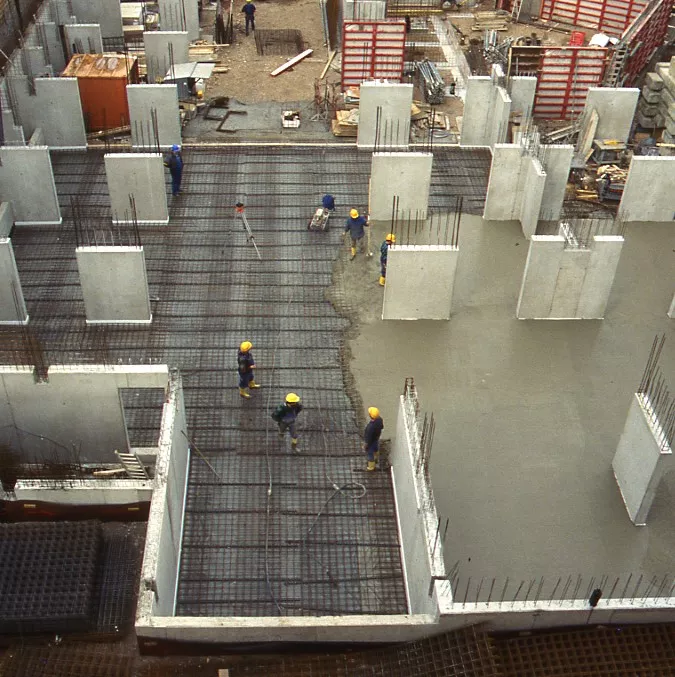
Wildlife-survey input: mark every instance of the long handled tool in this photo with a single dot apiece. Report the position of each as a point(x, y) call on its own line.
point(239, 211)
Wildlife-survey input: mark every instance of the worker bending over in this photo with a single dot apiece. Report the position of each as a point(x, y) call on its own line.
point(174, 162)
point(245, 367)
point(384, 250)
point(286, 414)
point(356, 227)
point(371, 436)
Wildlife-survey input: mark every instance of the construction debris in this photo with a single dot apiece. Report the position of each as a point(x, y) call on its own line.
point(346, 123)
point(495, 21)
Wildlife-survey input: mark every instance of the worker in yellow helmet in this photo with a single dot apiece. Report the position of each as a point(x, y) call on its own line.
point(384, 250)
point(245, 367)
point(356, 227)
point(371, 436)
point(286, 414)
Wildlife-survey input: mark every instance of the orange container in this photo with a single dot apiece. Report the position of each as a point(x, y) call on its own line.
point(102, 80)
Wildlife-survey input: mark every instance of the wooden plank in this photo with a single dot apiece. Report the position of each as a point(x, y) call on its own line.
point(328, 63)
point(291, 62)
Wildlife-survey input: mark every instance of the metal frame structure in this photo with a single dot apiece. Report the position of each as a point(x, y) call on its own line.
point(608, 16)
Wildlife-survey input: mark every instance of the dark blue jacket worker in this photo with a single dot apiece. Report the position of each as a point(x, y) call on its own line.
point(384, 250)
point(328, 202)
point(356, 227)
point(175, 164)
point(371, 436)
point(249, 11)
point(245, 367)
point(286, 414)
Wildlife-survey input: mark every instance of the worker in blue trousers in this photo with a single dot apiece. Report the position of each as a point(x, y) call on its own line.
point(245, 367)
point(249, 11)
point(371, 437)
point(356, 227)
point(175, 163)
point(286, 414)
point(384, 250)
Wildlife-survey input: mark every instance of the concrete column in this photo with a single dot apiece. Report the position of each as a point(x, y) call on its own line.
point(83, 39)
point(500, 112)
point(180, 15)
point(143, 100)
point(557, 162)
point(384, 115)
point(640, 461)
point(616, 110)
point(27, 182)
point(671, 312)
point(522, 90)
point(476, 111)
point(157, 52)
point(420, 281)
point(140, 175)
point(533, 192)
point(114, 285)
point(648, 195)
point(540, 277)
point(404, 175)
point(12, 304)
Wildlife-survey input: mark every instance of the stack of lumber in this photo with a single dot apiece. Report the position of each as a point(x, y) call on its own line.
point(667, 104)
point(616, 173)
point(346, 123)
point(204, 52)
point(491, 21)
point(352, 97)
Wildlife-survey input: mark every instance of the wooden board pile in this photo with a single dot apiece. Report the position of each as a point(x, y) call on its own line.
point(346, 123)
point(491, 21)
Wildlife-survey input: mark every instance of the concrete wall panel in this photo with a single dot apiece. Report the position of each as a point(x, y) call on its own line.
point(604, 260)
point(569, 283)
point(6, 219)
point(83, 39)
point(12, 304)
point(157, 52)
point(500, 112)
point(143, 99)
point(540, 276)
point(180, 15)
point(533, 192)
point(522, 90)
point(394, 101)
point(557, 163)
point(477, 111)
point(505, 187)
point(53, 45)
point(106, 13)
point(649, 195)
point(616, 110)
point(671, 311)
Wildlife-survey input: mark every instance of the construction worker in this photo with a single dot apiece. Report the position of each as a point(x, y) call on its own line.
point(245, 367)
point(285, 415)
point(174, 162)
point(328, 202)
point(384, 250)
point(356, 227)
point(371, 436)
point(249, 11)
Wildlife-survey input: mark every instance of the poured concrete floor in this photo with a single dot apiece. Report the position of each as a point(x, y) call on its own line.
point(529, 413)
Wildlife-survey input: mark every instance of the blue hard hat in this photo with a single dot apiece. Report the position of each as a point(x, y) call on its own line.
point(175, 147)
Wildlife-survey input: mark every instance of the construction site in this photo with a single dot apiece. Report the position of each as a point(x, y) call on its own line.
point(226, 222)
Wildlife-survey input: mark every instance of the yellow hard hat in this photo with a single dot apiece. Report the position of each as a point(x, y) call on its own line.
point(245, 346)
point(354, 213)
point(391, 238)
point(373, 412)
point(292, 398)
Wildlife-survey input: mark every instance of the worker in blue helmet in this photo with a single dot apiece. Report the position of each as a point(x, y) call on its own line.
point(174, 161)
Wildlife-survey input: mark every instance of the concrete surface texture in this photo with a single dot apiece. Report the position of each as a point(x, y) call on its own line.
point(139, 176)
point(420, 280)
point(55, 107)
point(12, 304)
point(83, 39)
point(6, 219)
point(640, 462)
point(34, 62)
point(528, 414)
point(180, 15)
point(364, 10)
point(487, 108)
point(616, 109)
point(384, 115)
point(157, 47)
point(568, 283)
point(406, 176)
point(114, 285)
point(106, 13)
point(557, 161)
point(649, 195)
point(671, 310)
point(76, 408)
point(27, 182)
point(522, 90)
point(52, 40)
point(143, 100)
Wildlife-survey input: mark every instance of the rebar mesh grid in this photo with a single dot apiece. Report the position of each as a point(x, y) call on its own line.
point(319, 550)
point(283, 42)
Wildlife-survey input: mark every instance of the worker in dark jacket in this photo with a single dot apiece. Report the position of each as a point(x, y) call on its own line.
point(328, 202)
point(249, 11)
point(286, 414)
point(174, 162)
point(245, 367)
point(384, 250)
point(356, 227)
point(371, 436)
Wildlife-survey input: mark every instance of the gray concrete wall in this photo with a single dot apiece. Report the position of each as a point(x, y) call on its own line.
point(405, 175)
point(477, 111)
point(157, 52)
point(83, 39)
point(140, 175)
point(55, 108)
point(180, 15)
point(671, 310)
point(394, 101)
point(6, 219)
point(161, 559)
point(420, 281)
point(106, 13)
point(533, 193)
point(12, 304)
point(364, 10)
point(84, 492)
point(114, 284)
point(78, 407)
point(143, 99)
point(557, 164)
point(522, 90)
point(53, 45)
point(27, 182)
point(648, 195)
point(616, 109)
point(500, 109)
point(640, 462)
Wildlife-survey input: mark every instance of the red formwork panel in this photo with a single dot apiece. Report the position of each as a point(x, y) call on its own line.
point(565, 74)
point(372, 50)
point(606, 16)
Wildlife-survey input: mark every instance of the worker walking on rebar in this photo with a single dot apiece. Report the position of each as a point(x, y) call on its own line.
point(356, 227)
point(245, 367)
point(371, 437)
point(286, 414)
point(249, 11)
point(174, 161)
point(384, 250)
